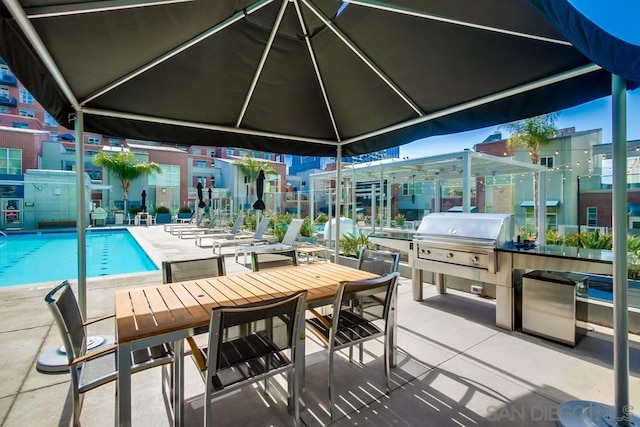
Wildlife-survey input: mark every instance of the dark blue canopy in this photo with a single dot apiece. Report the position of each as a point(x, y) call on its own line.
point(304, 77)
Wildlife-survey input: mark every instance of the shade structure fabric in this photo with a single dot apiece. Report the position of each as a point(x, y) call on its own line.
point(303, 76)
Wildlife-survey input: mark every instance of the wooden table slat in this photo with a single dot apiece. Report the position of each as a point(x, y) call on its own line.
point(242, 296)
point(143, 314)
point(259, 290)
point(124, 321)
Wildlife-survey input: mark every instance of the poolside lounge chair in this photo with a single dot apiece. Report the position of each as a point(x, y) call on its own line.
point(235, 240)
point(215, 232)
point(195, 229)
point(194, 221)
point(287, 242)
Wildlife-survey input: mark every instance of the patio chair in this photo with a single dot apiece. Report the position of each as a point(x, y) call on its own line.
point(199, 227)
point(287, 242)
point(215, 232)
point(235, 240)
point(91, 369)
point(235, 358)
point(266, 260)
point(379, 262)
point(191, 269)
point(350, 325)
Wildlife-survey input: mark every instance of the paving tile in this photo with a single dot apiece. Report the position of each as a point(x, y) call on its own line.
point(18, 353)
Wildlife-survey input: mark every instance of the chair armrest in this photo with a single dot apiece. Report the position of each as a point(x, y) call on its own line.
point(98, 353)
point(98, 319)
point(197, 354)
point(321, 318)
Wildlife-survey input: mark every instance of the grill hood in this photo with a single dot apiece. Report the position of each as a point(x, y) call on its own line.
point(496, 229)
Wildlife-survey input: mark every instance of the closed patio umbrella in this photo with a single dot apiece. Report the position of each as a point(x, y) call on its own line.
point(143, 202)
point(201, 203)
point(259, 204)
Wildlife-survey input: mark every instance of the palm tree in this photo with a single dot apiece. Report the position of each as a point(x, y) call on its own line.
point(532, 134)
point(250, 168)
point(126, 168)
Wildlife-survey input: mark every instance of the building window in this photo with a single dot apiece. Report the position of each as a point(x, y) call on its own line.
point(3, 109)
point(26, 112)
point(20, 125)
point(242, 153)
point(211, 153)
point(197, 151)
point(26, 97)
point(267, 156)
point(202, 163)
point(547, 162)
point(113, 142)
point(592, 216)
point(230, 151)
point(255, 154)
point(170, 176)
point(4, 91)
point(49, 120)
point(94, 140)
point(10, 161)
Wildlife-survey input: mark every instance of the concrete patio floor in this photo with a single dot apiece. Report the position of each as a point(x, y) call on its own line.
point(455, 367)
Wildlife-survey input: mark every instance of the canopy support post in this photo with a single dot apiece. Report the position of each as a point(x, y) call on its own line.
point(338, 200)
point(541, 225)
point(620, 281)
point(81, 211)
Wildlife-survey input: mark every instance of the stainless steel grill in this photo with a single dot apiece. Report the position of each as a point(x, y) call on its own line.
point(464, 239)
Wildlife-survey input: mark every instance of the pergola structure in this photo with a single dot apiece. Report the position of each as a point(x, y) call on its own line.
point(466, 166)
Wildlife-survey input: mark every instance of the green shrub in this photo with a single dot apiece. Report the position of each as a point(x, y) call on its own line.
point(163, 209)
point(399, 220)
point(184, 209)
point(321, 219)
point(351, 244)
point(307, 229)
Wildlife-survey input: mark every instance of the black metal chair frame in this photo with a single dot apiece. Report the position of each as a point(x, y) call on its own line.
point(168, 270)
point(345, 328)
point(82, 363)
point(259, 362)
point(255, 258)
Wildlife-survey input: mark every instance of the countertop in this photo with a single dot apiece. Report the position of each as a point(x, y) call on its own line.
point(565, 252)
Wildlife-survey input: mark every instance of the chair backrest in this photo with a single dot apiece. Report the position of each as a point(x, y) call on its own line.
point(212, 219)
point(379, 262)
point(380, 292)
point(236, 225)
point(190, 269)
point(292, 232)
point(273, 259)
point(271, 344)
point(261, 228)
point(64, 307)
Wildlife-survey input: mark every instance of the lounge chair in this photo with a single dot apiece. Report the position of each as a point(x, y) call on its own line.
point(215, 232)
point(235, 240)
point(193, 222)
point(195, 229)
point(287, 242)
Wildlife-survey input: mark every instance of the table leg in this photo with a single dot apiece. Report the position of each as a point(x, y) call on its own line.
point(178, 381)
point(123, 385)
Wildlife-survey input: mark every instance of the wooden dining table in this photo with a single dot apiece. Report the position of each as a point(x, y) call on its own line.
point(170, 312)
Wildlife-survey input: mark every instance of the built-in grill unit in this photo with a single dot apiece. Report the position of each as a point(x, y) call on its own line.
point(464, 239)
point(463, 245)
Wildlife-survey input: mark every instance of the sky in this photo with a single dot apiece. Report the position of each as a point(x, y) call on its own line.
point(592, 115)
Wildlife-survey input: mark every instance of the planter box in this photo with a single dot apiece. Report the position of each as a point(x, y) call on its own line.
point(163, 218)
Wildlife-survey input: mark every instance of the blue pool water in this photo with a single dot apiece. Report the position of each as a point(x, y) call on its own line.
point(43, 257)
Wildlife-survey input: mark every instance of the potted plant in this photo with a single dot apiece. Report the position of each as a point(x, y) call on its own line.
point(307, 232)
point(184, 212)
point(163, 215)
point(399, 220)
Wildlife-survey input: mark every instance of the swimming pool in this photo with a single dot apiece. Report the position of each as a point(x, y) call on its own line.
point(43, 257)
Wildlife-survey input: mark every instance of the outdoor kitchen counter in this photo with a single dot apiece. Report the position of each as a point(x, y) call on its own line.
point(560, 258)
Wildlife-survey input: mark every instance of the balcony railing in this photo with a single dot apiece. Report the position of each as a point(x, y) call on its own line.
point(9, 101)
point(8, 80)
